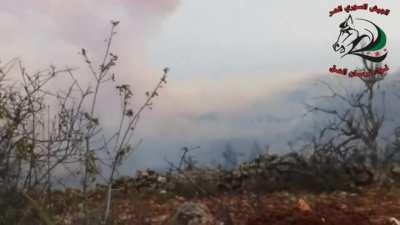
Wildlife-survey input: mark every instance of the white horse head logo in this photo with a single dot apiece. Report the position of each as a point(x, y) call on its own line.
point(352, 35)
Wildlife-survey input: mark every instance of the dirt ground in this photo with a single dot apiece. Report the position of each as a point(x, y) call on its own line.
point(367, 206)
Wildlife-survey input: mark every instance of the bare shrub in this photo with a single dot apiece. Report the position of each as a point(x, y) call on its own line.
point(44, 131)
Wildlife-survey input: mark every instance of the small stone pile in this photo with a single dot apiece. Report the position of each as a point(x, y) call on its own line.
point(144, 180)
point(150, 179)
point(269, 168)
point(266, 168)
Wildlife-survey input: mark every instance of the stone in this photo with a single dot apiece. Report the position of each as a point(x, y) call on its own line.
point(159, 219)
point(303, 206)
point(143, 173)
point(394, 221)
point(396, 169)
point(190, 213)
point(162, 179)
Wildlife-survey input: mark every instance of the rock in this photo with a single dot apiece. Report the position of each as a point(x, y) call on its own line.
point(236, 173)
point(159, 219)
point(343, 194)
point(142, 173)
point(303, 206)
point(396, 169)
point(190, 213)
point(394, 221)
point(162, 179)
point(343, 207)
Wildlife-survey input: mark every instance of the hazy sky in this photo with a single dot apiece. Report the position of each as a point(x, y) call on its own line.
point(236, 65)
point(216, 38)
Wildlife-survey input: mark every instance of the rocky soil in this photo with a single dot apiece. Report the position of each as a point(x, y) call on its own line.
point(366, 206)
